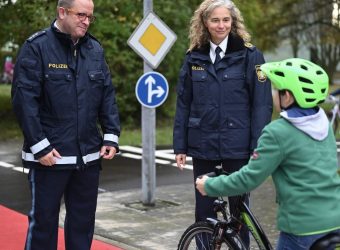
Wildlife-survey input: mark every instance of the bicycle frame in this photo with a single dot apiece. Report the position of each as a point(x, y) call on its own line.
point(229, 227)
point(255, 228)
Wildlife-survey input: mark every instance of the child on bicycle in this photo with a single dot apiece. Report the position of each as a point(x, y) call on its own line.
point(299, 151)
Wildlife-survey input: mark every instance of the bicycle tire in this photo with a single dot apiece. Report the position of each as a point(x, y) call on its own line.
point(200, 232)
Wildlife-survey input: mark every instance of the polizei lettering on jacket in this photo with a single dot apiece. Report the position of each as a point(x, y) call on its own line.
point(57, 66)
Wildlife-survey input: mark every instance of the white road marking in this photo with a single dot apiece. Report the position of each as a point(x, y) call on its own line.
point(133, 156)
point(163, 153)
point(6, 165)
point(167, 157)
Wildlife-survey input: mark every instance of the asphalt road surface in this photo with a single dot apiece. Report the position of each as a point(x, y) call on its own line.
point(121, 173)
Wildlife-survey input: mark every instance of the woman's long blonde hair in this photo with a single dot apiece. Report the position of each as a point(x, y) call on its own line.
point(199, 34)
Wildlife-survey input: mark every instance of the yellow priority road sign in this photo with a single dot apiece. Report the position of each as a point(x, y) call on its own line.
point(152, 39)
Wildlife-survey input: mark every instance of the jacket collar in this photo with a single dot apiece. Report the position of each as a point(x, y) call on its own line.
point(235, 43)
point(66, 38)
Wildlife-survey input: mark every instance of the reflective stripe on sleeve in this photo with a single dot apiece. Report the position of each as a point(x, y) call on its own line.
point(63, 160)
point(111, 137)
point(91, 157)
point(40, 146)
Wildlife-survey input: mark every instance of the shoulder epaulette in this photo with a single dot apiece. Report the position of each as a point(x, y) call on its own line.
point(249, 45)
point(35, 35)
point(94, 38)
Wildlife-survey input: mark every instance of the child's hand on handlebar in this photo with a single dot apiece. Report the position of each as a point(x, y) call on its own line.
point(200, 184)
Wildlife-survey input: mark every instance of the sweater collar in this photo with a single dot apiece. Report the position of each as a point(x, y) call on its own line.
point(313, 122)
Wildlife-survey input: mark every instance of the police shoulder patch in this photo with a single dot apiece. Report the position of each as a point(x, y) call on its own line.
point(35, 35)
point(260, 75)
point(248, 45)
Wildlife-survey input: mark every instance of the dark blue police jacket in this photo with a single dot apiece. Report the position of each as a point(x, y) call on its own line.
point(60, 91)
point(220, 112)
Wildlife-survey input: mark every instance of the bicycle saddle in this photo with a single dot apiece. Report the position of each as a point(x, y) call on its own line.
point(326, 241)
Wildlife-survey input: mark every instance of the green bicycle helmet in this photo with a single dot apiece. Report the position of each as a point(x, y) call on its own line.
point(307, 81)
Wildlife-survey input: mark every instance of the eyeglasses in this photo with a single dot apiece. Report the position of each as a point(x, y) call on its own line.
point(82, 16)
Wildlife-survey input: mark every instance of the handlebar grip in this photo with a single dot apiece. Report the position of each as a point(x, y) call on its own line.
point(218, 171)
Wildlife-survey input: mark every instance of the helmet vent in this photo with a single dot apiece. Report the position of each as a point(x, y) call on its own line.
point(303, 67)
point(323, 91)
point(305, 80)
point(306, 90)
point(319, 72)
point(310, 99)
point(279, 73)
point(289, 64)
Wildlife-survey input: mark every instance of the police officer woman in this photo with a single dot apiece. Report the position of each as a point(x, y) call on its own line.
point(62, 87)
point(223, 99)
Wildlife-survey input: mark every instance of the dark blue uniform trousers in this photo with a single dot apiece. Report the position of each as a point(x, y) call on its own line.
point(204, 205)
point(80, 190)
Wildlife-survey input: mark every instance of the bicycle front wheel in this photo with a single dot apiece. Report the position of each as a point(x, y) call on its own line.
point(199, 236)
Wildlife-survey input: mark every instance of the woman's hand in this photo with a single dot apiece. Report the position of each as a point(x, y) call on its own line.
point(180, 160)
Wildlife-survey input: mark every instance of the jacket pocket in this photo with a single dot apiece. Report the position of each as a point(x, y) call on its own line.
point(234, 88)
point(96, 88)
point(194, 132)
point(58, 78)
point(199, 75)
point(96, 78)
point(58, 91)
point(238, 122)
point(200, 86)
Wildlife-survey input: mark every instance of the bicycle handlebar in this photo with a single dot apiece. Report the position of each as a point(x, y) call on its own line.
point(218, 171)
point(333, 98)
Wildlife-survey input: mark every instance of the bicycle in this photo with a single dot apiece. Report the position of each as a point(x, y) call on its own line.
point(223, 232)
point(327, 241)
point(334, 114)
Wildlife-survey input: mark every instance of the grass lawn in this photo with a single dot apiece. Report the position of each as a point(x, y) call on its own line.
point(8, 125)
point(10, 129)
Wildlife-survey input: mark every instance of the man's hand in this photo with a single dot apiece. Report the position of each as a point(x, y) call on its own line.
point(50, 159)
point(200, 184)
point(180, 160)
point(108, 152)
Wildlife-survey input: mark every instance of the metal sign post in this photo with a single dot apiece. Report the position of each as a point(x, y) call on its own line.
point(152, 39)
point(148, 140)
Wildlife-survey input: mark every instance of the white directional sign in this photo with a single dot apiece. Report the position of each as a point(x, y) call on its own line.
point(152, 89)
point(152, 39)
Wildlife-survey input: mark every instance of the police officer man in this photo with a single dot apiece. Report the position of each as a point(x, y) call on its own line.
point(62, 87)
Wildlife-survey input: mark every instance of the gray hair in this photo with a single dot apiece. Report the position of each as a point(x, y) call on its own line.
point(199, 34)
point(65, 3)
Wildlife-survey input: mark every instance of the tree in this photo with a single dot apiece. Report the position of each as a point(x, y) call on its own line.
point(116, 21)
point(310, 24)
point(322, 34)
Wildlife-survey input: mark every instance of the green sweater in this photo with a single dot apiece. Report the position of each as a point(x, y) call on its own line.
point(304, 171)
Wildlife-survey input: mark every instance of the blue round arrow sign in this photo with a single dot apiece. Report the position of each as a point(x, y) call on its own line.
point(152, 89)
